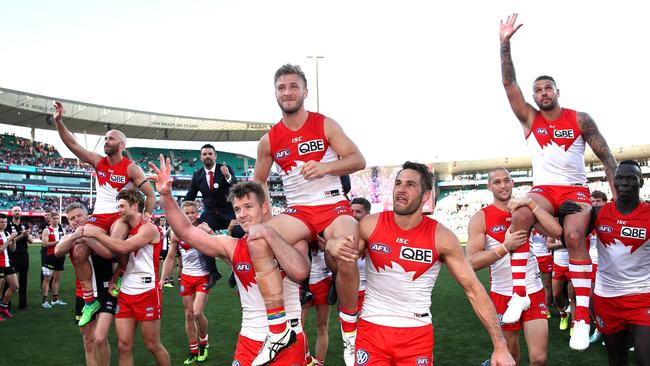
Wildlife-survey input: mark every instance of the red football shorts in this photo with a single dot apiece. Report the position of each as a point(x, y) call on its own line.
point(545, 263)
point(103, 221)
point(193, 284)
point(142, 307)
point(391, 346)
point(320, 290)
point(557, 195)
point(247, 349)
point(560, 272)
point(614, 314)
point(537, 310)
point(318, 218)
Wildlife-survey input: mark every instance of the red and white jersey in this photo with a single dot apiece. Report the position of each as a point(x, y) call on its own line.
point(593, 247)
point(361, 264)
point(4, 254)
point(141, 274)
point(557, 150)
point(292, 149)
point(538, 245)
point(623, 251)
point(561, 257)
point(191, 259)
point(110, 181)
point(497, 222)
point(54, 236)
point(254, 323)
point(402, 267)
point(319, 270)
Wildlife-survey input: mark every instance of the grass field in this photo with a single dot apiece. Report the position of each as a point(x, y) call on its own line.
point(50, 337)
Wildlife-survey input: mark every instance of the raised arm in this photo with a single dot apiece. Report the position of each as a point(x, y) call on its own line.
point(215, 246)
point(598, 145)
point(351, 159)
point(451, 254)
point(263, 166)
point(524, 112)
point(70, 141)
point(136, 175)
point(147, 234)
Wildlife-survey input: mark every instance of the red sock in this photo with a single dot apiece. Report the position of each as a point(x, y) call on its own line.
point(348, 319)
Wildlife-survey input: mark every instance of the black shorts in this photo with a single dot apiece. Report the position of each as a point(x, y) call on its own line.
point(107, 304)
point(6, 271)
point(54, 263)
point(163, 254)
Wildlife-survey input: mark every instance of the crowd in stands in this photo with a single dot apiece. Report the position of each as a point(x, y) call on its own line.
point(21, 151)
point(36, 203)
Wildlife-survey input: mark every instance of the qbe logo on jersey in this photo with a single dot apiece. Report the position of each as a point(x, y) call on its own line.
point(633, 232)
point(416, 254)
point(118, 179)
point(563, 134)
point(310, 146)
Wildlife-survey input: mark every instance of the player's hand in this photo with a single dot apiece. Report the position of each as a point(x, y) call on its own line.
point(515, 240)
point(313, 169)
point(256, 232)
point(146, 217)
point(91, 231)
point(58, 111)
point(12, 236)
point(78, 233)
point(163, 177)
point(205, 227)
point(501, 357)
point(112, 287)
point(515, 203)
point(507, 29)
point(225, 171)
point(343, 248)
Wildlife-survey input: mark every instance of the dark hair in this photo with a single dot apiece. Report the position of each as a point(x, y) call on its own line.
point(243, 189)
point(599, 194)
point(289, 69)
point(3, 216)
point(630, 162)
point(426, 177)
point(75, 206)
point(208, 146)
point(131, 196)
point(545, 77)
point(363, 202)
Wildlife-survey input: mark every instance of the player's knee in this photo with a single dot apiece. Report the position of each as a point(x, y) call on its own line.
point(189, 316)
point(125, 346)
point(574, 238)
point(522, 218)
point(100, 339)
point(538, 359)
point(323, 329)
point(152, 345)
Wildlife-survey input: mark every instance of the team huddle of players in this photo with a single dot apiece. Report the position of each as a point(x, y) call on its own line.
point(397, 253)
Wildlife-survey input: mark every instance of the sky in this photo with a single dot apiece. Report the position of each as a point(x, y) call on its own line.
point(407, 80)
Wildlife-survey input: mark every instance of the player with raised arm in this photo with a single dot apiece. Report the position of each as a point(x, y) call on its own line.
point(114, 173)
point(557, 138)
point(313, 152)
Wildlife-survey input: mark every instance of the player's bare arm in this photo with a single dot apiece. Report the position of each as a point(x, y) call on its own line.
point(45, 237)
point(599, 146)
point(168, 263)
point(136, 175)
point(524, 112)
point(147, 234)
point(451, 253)
point(70, 141)
point(263, 166)
point(351, 158)
point(216, 246)
point(292, 258)
point(480, 258)
point(67, 242)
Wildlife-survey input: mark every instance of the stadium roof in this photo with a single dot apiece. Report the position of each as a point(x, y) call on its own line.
point(523, 162)
point(31, 110)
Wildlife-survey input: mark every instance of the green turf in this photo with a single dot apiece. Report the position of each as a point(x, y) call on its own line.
point(50, 337)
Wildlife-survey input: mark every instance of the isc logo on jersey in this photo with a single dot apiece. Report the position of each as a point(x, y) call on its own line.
point(118, 179)
point(416, 254)
point(633, 232)
point(563, 134)
point(310, 146)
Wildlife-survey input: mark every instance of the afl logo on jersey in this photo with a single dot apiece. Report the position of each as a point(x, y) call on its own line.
point(118, 179)
point(498, 229)
point(422, 361)
point(362, 357)
point(416, 254)
point(282, 154)
point(380, 248)
point(542, 131)
point(243, 267)
point(633, 232)
point(290, 210)
point(563, 134)
point(605, 229)
point(311, 146)
point(101, 174)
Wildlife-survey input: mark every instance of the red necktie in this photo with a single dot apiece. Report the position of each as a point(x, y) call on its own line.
point(211, 173)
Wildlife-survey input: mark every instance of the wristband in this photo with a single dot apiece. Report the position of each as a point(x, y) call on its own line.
point(536, 206)
point(506, 251)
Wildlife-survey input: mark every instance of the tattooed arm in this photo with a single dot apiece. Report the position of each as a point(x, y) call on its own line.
point(524, 111)
point(597, 142)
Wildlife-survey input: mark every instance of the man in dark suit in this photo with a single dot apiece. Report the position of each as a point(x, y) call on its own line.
point(214, 182)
